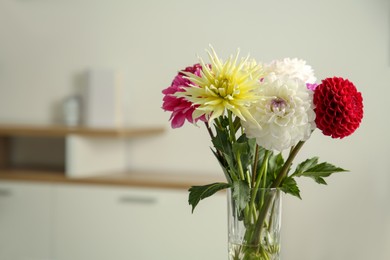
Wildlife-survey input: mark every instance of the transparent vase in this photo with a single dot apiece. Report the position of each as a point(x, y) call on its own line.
point(254, 225)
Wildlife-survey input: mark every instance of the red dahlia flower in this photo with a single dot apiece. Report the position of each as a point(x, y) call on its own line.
point(181, 108)
point(338, 107)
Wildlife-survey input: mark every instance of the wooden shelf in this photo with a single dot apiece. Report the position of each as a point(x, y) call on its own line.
point(42, 173)
point(80, 151)
point(60, 131)
point(131, 179)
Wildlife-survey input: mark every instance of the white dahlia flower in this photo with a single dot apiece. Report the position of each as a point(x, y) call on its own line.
point(284, 112)
point(293, 68)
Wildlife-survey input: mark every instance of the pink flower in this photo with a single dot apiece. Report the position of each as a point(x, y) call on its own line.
point(181, 108)
point(311, 86)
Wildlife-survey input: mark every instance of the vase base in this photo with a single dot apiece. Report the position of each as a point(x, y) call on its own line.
point(247, 252)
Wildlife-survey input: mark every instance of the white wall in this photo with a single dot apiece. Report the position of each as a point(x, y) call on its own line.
point(46, 45)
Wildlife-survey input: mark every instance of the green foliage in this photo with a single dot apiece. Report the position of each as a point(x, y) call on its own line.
point(224, 166)
point(197, 193)
point(248, 167)
point(244, 150)
point(224, 153)
point(220, 141)
point(275, 164)
point(290, 186)
point(236, 157)
point(241, 194)
point(317, 171)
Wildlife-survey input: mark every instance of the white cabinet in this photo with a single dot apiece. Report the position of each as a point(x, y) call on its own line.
point(47, 221)
point(25, 221)
point(134, 223)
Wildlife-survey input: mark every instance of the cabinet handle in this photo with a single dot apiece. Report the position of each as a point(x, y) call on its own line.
point(137, 200)
point(5, 193)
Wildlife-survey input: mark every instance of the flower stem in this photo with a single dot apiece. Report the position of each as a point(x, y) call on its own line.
point(283, 172)
point(258, 180)
point(231, 127)
point(263, 169)
point(239, 164)
point(209, 130)
point(254, 169)
point(260, 220)
point(269, 198)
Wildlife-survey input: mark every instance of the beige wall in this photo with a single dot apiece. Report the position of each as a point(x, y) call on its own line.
point(46, 45)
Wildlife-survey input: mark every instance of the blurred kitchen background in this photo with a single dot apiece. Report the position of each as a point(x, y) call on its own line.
point(47, 47)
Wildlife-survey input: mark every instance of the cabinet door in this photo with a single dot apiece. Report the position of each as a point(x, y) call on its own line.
point(25, 221)
point(143, 224)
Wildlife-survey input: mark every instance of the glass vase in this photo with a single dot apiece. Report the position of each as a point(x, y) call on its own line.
point(254, 225)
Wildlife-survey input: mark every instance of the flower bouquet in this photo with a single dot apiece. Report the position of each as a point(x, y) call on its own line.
point(258, 116)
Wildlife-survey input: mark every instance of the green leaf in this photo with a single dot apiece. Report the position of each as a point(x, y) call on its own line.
point(224, 122)
point(275, 164)
point(232, 167)
point(290, 186)
point(237, 123)
point(320, 180)
point(240, 148)
point(242, 154)
point(322, 170)
point(225, 155)
point(221, 143)
point(304, 166)
point(261, 158)
point(224, 165)
point(245, 147)
point(311, 168)
point(198, 193)
point(241, 194)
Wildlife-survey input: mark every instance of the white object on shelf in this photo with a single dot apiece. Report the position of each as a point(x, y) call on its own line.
point(71, 111)
point(102, 99)
point(89, 156)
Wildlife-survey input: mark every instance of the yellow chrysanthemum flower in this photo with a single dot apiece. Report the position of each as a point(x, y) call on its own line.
point(230, 85)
